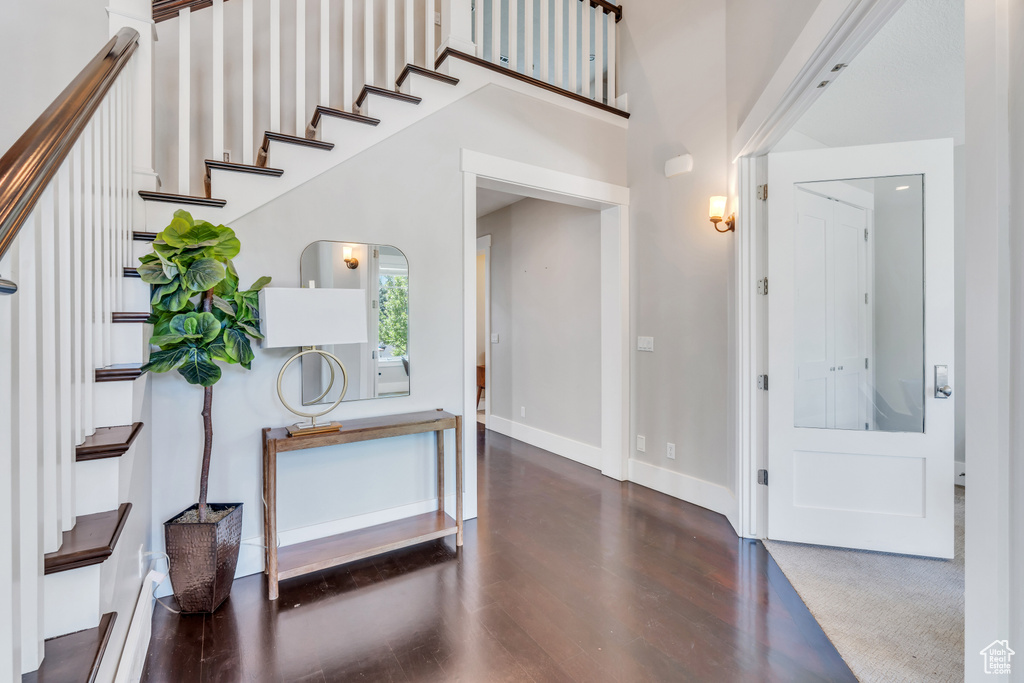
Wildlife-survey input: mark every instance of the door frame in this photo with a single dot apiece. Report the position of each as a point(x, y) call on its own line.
point(527, 180)
point(483, 246)
point(836, 32)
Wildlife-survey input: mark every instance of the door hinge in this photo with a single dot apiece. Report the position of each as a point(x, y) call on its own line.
point(865, 234)
point(762, 382)
point(762, 192)
point(762, 286)
point(865, 297)
point(865, 363)
point(762, 477)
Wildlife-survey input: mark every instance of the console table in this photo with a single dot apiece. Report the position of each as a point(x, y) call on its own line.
point(310, 556)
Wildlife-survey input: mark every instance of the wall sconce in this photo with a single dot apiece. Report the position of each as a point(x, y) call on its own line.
point(350, 261)
point(717, 214)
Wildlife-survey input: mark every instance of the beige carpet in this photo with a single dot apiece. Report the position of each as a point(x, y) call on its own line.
point(893, 618)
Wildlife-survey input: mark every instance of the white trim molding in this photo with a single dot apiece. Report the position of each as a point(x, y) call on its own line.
point(580, 452)
point(684, 487)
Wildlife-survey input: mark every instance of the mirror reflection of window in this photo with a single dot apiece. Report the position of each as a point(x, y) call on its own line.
point(380, 368)
point(859, 308)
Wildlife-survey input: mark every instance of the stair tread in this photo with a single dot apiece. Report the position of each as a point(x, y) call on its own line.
point(181, 199)
point(295, 140)
point(75, 657)
point(338, 113)
point(421, 71)
point(212, 164)
point(121, 372)
point(384, 92)
point(129, 316)
point(140, 236)
point(108, 442)
point(91, 541)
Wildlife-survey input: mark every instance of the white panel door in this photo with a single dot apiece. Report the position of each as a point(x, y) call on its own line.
point(861, 314)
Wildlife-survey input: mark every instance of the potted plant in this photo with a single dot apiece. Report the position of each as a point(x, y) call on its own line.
point(200, 318)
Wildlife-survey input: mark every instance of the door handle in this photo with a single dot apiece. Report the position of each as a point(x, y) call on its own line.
point(942, 388)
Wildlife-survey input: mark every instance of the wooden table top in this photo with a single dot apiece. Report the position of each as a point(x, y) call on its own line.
point(364, 429)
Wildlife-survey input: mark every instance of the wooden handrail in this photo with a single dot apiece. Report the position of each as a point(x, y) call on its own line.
point(609, 8)
point(29, 165)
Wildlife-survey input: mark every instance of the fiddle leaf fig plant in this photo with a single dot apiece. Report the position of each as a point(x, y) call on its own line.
point(200, 317)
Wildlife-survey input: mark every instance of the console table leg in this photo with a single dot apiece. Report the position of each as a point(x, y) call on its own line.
point(458, 479)
point(266, 520)
point(440, 470)
point(271, 537)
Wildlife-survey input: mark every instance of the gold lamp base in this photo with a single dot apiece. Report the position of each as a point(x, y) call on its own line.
point(307, 429)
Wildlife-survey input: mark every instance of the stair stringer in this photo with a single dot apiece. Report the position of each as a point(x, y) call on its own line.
point(245, 193)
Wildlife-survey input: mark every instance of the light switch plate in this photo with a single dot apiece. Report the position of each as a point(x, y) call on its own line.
point(494, 338)
point(670, 451)
point(645, 344)
point(641, 444)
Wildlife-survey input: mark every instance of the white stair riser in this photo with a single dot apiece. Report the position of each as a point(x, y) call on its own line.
point(136, 295)
point(71, 601)
point(238, 188)
point(159, 214)
point(128, 342)
point(430, 89)
point(140, 249)
point(96, 485)
point(114, 403)
point(393, 114)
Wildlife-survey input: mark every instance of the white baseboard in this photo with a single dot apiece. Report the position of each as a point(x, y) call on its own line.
point(578, 451)
point(684, 487)
point(136, 644)
point(958, 473)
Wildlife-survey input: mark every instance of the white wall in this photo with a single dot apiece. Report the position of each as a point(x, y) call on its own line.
point(481, 309)
point(407, 192)
point(44, 45)
point(546, 309)
point(672, 65)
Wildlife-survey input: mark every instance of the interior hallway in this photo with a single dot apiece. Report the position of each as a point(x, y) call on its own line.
point(566, 575)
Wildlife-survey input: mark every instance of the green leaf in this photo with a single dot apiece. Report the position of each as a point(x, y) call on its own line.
point(153, 274)
point(165, 361)
point(218, 351)
point(163, 290)
point(185, 325)
point(177, 301)
point(208, 327)
point(185, 216)
point(260, 284)
point(201, 235)
point(174, 234)
point(250, 329)
point(223, 305)
point(237, 345)
point(163, 340)
point(204, 274)
point(149, 258)
point(227, 249)
point(198, 368)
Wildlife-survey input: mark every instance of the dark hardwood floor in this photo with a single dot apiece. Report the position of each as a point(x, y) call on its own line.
point(566, 576)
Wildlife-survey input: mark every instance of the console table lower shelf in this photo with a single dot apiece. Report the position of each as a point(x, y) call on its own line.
point(322, 553)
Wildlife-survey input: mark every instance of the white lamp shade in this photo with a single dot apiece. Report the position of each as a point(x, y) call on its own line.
point(312, 317)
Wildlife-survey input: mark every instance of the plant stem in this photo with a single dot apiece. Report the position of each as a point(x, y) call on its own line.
point(204, 477)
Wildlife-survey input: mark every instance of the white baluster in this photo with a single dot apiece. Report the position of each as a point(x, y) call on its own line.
point(478, 28)
point(389, 44)
point(248, 141)
point(300, 67)
point(545, 42)
point(10, 668)
point(217, 66)
point(66, 342)
point(275, 66)
point(599, 16)
point(184, 97)
point(47, 349)
point(368, 36)
point(325, 53)
point(88, 219)
point(117, 96)
point(574, 53)
point(585, 64)
point(429, 30)
point(109, 262)
point(612, 49)
point(28, 493)
point(410, 32)
point(560, 42)
point(78, 292)
point(495, 31)
point(529, 64)
point(98, 260)
point(513, 35)
point(348, 37)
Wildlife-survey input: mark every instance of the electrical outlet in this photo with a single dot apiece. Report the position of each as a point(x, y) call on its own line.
point(641, 444)
point(645, 344)
point(227, 155)
point(522, 411)
point(437, 18)
point(671, 451)
point(494, 338)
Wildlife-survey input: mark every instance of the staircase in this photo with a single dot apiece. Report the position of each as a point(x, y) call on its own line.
point(78, 207)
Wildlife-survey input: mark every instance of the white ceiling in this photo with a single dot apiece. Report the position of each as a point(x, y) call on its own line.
point(489, 201)
point(906, 84)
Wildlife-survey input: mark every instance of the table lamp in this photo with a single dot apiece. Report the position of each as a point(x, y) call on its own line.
point(308, 318)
